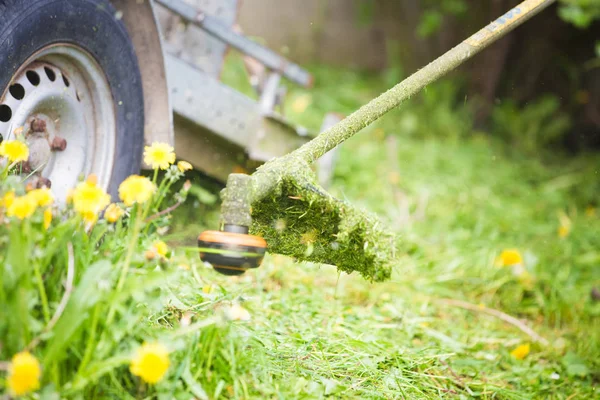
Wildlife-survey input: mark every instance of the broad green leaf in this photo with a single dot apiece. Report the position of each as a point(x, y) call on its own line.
point(89, 291)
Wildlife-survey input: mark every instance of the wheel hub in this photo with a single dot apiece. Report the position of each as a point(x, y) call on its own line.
point(61, 103)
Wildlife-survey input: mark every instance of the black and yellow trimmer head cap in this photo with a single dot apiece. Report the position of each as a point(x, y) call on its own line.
point(232, 251)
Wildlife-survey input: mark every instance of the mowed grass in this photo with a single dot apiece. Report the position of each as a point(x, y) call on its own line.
point(438, 328)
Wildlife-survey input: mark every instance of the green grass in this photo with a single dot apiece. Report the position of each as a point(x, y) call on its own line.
point(314, 332)
point(457, 200)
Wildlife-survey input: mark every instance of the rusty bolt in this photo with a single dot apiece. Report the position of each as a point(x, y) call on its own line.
point(38, 125)
point(24, 167)
point(58, 143)
point(43, 182)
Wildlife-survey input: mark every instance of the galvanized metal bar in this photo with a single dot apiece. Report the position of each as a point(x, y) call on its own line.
point(230, 115)
point(203, 100)
point(214, 27)
point(268, 97)
point(194, 45)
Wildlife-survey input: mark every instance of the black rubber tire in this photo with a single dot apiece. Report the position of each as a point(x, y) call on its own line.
point(26, 26)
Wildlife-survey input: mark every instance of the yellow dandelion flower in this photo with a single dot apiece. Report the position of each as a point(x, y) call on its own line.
point(161, 248)
point(43, 197)
point(150, 362)
point(89, 199)
point(8, 199)
point(509, 257)
point(565, 225)
point(563, 231)
point(136, 189)
point(520, 352)
point(113, 213)
point(47, 218)
point(159, 155)
point(184, 166)
point(22, 207)
point(24, 374)
point(90, 218)
point(14, 150)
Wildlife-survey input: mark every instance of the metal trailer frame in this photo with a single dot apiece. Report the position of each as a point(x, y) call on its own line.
point(218, 129)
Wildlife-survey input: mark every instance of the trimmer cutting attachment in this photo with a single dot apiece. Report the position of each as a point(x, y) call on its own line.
point(232, 251)
point(317, 227)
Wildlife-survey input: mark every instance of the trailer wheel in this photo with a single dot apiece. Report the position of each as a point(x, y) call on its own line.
point(70, 83)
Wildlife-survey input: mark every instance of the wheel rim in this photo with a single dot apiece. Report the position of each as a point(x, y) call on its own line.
point(63, 86)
